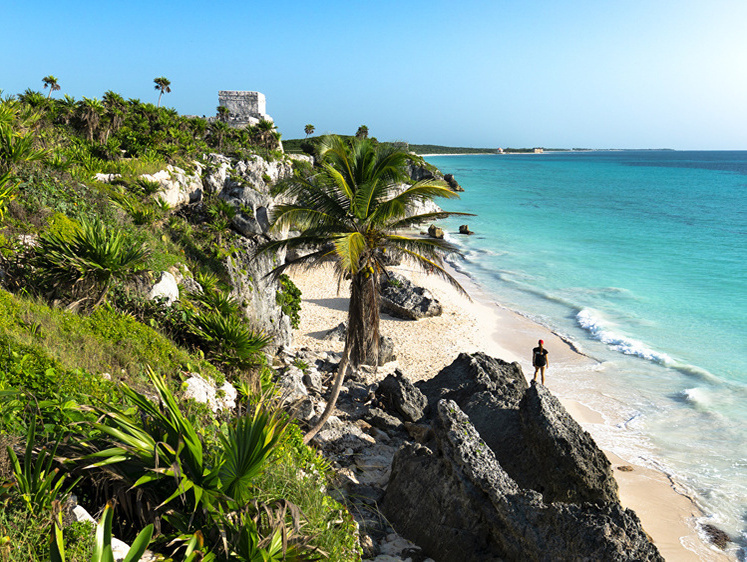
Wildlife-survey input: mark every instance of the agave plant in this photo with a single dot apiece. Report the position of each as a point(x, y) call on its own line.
point(227, 339)
point(38, 483)
point(102, 550)
point(160, 445)
point(86, 265)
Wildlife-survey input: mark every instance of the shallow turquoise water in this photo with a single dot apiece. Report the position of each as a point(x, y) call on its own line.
point(639, 259)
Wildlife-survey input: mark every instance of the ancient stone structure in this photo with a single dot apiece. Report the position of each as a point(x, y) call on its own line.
point(244, 108)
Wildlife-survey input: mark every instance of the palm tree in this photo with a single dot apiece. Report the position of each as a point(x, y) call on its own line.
point(115, 106)
point(51, 82)
point(162, 84)
point(352, 213)
point(90, 111)
point(309, 130)
point(266, 134)
point(66, 108)
point(362, 132)
point(223, 113)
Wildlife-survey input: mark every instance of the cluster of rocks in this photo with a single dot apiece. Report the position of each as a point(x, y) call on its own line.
point(473, 464)
point(438, 232)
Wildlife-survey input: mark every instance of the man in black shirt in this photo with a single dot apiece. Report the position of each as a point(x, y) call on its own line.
point(539, 361)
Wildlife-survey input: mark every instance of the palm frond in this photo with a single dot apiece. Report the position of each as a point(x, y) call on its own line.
point(349, 249)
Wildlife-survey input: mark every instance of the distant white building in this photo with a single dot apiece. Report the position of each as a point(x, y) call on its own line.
point(244, 108)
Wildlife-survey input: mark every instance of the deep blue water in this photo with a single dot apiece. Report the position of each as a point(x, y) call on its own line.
point(638, 257)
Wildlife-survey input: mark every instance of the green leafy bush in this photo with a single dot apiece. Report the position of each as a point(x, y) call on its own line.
point(84, 266)
point(289, 299)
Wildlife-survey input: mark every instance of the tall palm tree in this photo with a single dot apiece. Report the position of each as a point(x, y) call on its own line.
point(90, 111)
point(66, 108)
point(51, 82)
point(309, 130)
point(266, 134)
point(223, 113)
point(353, 212)
point(114, 105)
point(163, 84)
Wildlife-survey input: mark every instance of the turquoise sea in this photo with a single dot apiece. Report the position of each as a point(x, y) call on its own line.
point(637, 258)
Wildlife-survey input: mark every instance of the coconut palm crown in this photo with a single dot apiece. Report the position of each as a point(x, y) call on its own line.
point(51, 83)
point(163, 84)
point(354, 212)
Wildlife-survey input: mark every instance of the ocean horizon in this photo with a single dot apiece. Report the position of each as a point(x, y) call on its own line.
point(637, 259)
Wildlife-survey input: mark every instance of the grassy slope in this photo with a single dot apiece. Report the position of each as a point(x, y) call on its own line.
point(52, 360)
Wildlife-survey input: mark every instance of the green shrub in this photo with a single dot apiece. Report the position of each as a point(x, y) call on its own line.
point(299, 474)
point(84, 266)
point(289, 299)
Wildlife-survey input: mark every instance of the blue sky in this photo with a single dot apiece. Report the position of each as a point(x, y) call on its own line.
point(598, 74)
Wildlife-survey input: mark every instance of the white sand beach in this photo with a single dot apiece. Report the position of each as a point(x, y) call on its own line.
point(425, 346)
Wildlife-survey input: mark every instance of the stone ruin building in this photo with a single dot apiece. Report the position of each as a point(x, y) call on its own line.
point(244, 108)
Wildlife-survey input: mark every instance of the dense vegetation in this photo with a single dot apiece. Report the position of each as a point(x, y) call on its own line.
point(91, 369)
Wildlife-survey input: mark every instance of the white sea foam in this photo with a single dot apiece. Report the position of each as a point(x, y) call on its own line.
point(699, 397)
point(592, 322)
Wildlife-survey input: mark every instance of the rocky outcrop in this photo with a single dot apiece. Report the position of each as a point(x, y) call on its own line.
point(535, 440)
point(453, 498)
point(255, 291)
point(464, 229)
point(177, 187)
point(402, 299)
point(576, 470)
point(446, 489)
point(399, 395)
point(453, 184)
point(246, 185)
point(435, 232)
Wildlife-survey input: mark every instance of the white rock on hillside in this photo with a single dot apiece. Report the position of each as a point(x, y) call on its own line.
point(166, 287)
point(177, 187)
point(200, 390)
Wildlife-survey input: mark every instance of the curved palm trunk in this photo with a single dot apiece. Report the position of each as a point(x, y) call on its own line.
point(339, 377)
point(361, 342)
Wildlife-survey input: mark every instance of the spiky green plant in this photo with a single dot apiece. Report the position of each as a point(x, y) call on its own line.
point(228, 340)
point(85, 265)
point(159, 444)
point(38, 483)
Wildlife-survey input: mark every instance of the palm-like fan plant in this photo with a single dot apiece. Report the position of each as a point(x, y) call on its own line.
point(354, 212)
point(163, 84)
point(87, 264)
point(90, 112)
point(51, 83)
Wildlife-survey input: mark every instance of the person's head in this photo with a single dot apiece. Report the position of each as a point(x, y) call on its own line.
point(541, 343)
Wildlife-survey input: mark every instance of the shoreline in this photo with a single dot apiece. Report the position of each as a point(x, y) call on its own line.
point(483, 324)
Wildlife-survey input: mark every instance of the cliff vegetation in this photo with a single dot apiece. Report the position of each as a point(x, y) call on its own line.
point(102, 201)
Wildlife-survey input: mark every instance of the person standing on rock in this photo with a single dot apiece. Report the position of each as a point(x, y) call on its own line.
point(539, 361)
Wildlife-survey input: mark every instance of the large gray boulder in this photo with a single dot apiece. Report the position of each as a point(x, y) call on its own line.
point(402, 299)
point(533, 437)
point(575, 469)
point(453, 499)
point(401, 397)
